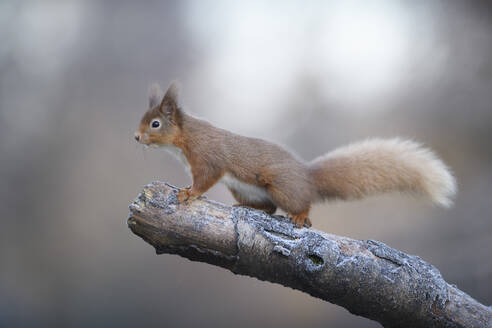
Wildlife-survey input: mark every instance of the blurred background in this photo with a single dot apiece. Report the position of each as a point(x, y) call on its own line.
point(310, 75)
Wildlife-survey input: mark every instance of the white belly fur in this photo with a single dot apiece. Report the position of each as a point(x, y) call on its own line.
point(178, 153)
point(251, 193)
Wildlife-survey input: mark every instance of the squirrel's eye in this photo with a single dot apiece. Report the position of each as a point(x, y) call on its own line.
point(156, 124)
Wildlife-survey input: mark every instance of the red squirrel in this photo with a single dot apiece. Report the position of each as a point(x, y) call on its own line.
point(264, 176)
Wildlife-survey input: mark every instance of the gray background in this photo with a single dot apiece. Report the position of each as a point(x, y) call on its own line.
point(309, 75)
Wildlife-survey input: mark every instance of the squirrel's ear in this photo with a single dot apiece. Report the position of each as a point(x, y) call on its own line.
point(155, 95)
point(169, 105)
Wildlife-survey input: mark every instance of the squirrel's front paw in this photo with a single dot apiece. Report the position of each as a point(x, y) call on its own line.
point(186, 195)
point(183, 195)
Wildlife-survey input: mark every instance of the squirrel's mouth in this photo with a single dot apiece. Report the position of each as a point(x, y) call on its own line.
point(152, 145)
point(147, 143)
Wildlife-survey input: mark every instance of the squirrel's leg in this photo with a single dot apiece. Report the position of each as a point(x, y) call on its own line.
point(201, 183)
point(265, 205)
point(296, 206)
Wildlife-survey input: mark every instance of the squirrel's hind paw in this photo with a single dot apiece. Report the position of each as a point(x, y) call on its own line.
point(301, 220)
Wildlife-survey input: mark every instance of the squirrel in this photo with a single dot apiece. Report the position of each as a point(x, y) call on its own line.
point(264, 176)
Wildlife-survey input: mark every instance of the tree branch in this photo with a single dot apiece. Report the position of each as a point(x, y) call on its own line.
point(367, 278)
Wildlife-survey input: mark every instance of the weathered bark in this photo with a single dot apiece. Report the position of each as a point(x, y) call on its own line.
point(367, 278)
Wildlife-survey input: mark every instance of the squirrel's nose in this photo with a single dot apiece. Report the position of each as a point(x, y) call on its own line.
point(137, 136)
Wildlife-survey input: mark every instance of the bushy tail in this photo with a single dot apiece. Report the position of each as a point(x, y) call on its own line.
point(376, 166)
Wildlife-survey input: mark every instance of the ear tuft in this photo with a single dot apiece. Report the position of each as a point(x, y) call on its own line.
point(169, 105)
point(171, 96)
point(155, 95)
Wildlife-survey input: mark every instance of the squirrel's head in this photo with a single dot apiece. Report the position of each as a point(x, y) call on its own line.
point(161, 124)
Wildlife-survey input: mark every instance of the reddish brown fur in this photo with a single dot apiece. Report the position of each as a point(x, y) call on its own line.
point(213, 152)
point(292, 185)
